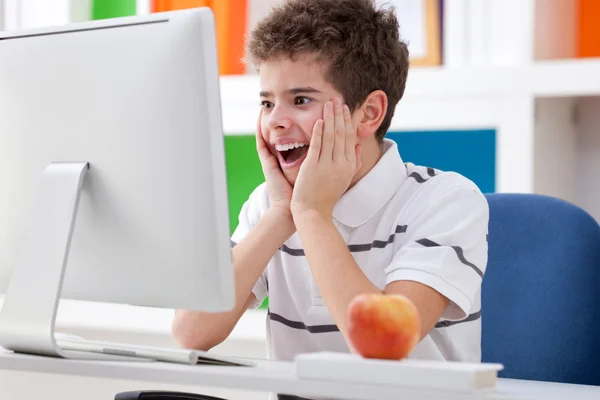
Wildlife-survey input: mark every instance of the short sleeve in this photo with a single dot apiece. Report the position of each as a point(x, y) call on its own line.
point(251, 212)
point(445, 247)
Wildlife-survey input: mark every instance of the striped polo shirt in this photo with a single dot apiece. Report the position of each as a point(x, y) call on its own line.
point(400, 222)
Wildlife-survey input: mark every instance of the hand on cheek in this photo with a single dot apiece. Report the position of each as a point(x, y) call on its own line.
point(332, 161)
point(280, 190)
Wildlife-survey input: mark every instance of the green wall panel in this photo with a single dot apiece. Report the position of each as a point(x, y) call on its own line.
point(105, 9)
point(244, 173)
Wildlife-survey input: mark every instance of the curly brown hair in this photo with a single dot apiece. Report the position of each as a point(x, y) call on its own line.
point(359, 43)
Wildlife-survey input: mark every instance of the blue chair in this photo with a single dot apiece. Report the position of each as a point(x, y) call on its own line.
point(541, 290)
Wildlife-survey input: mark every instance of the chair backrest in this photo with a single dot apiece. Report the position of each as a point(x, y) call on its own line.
point(541, 290)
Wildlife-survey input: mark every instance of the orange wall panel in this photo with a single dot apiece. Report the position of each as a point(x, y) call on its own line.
point(589, 28)
point(231, 23)
point(231, 20)
point(170, 5)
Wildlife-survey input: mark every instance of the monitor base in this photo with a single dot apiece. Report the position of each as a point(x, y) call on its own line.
point(28, 316)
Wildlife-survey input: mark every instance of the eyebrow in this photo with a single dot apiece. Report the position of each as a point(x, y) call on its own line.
point(297, 90)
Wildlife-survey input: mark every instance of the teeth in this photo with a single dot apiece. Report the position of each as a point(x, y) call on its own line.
point(288, 146)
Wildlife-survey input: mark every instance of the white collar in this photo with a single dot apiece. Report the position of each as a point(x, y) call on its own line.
point(372, 192)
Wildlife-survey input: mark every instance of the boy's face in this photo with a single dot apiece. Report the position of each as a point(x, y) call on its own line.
point(293, 94)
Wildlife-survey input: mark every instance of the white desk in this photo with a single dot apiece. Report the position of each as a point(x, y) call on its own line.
point(152, 326)
point(121, 323)
point(277, 377)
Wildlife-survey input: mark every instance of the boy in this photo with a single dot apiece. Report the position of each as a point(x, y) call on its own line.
point(340, 213)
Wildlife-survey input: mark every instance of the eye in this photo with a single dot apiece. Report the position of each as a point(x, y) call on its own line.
point(302, 100)
point(267, 105)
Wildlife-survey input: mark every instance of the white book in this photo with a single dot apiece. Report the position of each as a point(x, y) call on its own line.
point(406, 373)
point(455, 43)
point(476, 31)
point(510, 31)
point(412, 20)
point(43, 13)
point(143, 7)
point(11, 15)
point(1, 15)
point(31, 14)
point(81, 10)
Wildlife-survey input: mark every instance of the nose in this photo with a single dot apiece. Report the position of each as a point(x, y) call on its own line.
point(279, 119)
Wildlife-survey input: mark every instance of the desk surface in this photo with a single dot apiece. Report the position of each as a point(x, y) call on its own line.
point(278, 377)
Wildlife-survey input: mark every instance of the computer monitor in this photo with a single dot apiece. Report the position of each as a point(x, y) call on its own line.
point(112, 171)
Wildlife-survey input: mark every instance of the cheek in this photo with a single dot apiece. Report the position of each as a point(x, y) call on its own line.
point(266, 135)
point(307, 121)
point(264, 129)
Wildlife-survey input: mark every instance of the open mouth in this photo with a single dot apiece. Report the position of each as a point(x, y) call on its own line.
point(291, 154)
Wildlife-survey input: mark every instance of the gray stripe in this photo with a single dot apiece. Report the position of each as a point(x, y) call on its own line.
point(301, 325)
point(232, 243)
point(354, 248)
point(378, 244)
point(333, 328)
point(470, 317)
point(292, 252)
point(417, 178)
point(459, 252)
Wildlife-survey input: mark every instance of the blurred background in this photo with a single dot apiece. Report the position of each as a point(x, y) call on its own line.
point(506, 92)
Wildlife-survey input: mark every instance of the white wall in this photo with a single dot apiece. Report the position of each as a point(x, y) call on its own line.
point(567, 150)
point(555, 148)
point(587, 173)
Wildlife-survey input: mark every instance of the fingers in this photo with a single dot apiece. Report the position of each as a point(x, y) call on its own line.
point(350, 136)
point(261, 145)
point(328, 132)
point(259, 139)
point(314, 150)
point(259, 122)
point(339, 146)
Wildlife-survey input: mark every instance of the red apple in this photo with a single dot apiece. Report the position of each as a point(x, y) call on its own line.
point(383, 326)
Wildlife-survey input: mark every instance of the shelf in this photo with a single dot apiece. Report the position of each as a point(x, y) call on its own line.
point(443, 92)
point(573, 78)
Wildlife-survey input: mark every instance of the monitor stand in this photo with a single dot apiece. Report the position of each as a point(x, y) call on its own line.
point(28, 315)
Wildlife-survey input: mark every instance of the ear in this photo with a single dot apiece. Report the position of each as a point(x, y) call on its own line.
point(371, 113)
